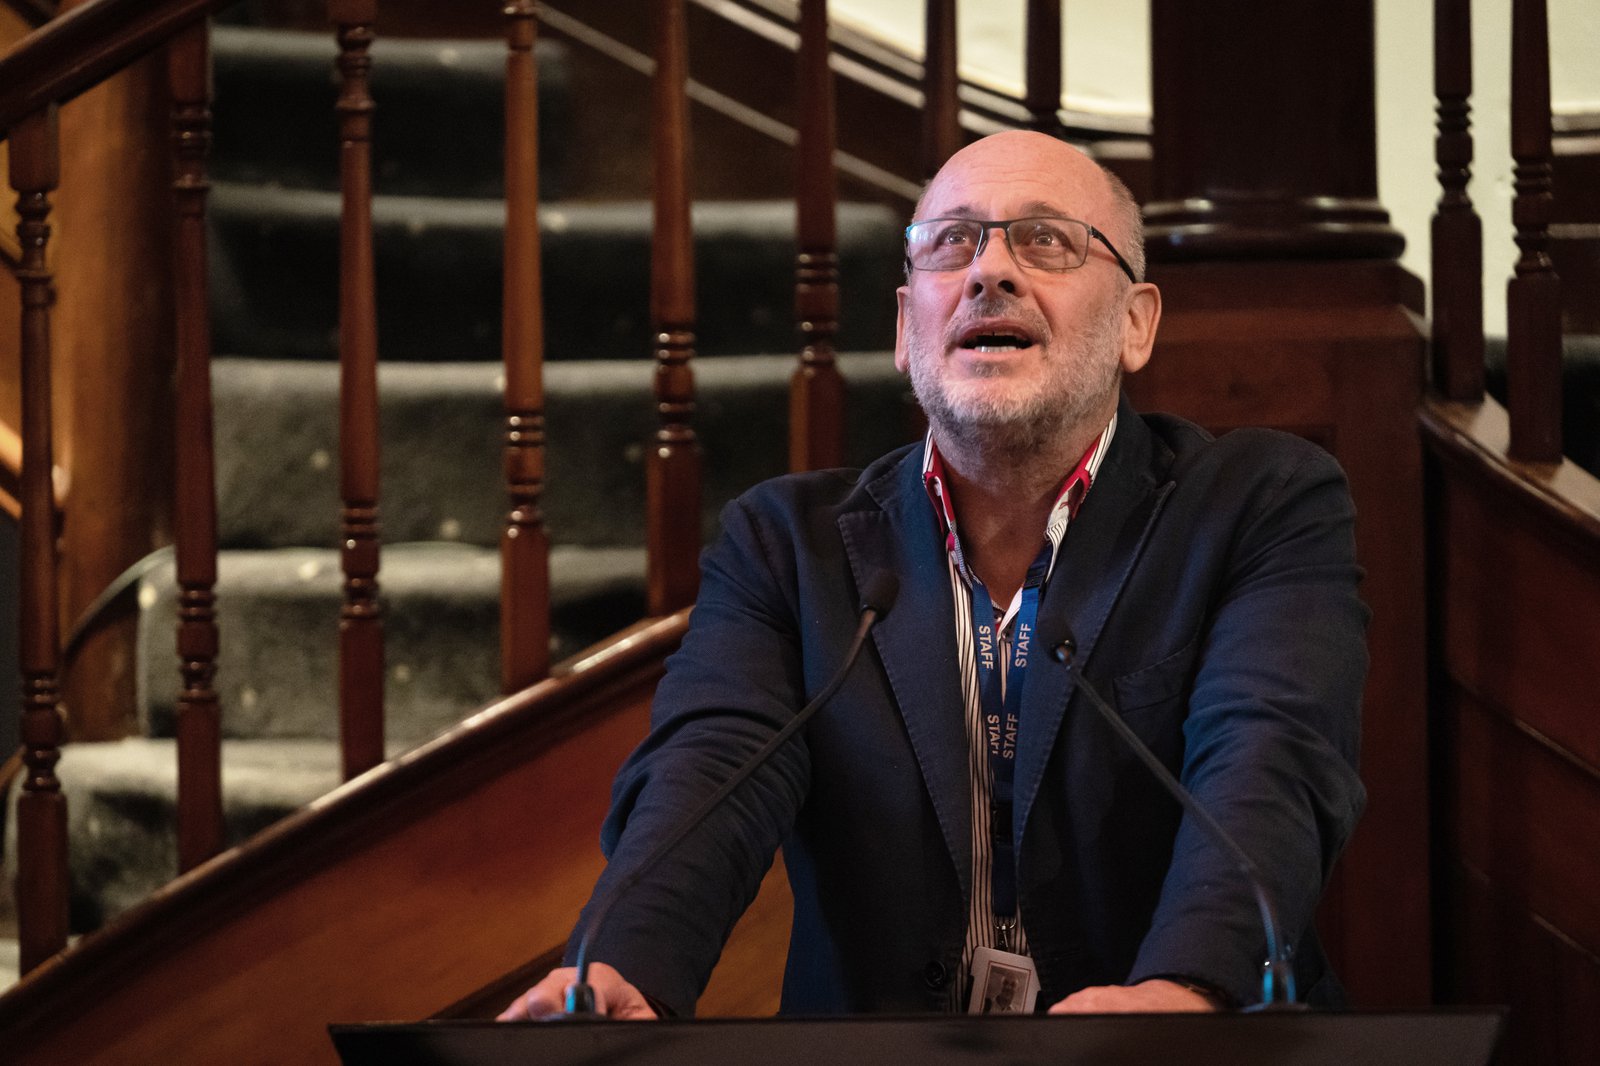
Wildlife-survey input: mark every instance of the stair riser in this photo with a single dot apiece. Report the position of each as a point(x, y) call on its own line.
point(275, 270)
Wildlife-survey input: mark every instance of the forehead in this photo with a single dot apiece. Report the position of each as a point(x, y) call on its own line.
point(1010, 178)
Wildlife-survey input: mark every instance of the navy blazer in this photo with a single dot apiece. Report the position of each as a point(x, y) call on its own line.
point(1211, 585)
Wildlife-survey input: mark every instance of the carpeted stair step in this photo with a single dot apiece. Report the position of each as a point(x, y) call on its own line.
point(122, 807)
point(274, 276)
point(278, 613)
point(439, 125)
point(441, 425)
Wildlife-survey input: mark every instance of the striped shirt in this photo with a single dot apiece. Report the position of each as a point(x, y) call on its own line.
point(982, 929)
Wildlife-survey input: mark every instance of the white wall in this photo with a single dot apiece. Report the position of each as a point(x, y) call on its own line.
point(1107, 68)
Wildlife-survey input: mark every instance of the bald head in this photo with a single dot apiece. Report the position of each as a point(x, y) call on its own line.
point(1051, 174)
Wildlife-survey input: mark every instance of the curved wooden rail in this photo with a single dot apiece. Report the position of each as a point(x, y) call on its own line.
point(452, 864)
point(76, 51)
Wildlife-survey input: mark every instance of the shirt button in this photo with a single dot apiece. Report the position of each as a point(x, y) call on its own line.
point(935, 975)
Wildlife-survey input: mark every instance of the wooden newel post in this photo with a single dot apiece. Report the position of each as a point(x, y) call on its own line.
point(673, 470)
point(525, 545)
point(816, 392)
point(42, 878)
point(1282, 294)
point(1264, 133)
point(360, 618)
point(1533, 296)
point(200, 833)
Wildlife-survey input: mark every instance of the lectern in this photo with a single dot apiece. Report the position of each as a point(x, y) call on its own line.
point(1291, 1038)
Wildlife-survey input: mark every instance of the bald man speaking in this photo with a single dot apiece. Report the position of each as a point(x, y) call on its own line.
point(961, 830)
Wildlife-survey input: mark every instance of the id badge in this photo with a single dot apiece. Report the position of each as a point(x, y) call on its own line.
point(1002, 983)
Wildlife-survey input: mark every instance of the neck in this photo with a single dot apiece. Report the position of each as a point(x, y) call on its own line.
point(1003, 494)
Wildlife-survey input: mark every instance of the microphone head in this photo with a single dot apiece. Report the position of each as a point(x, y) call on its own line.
point(1065, 646)
point(879, 590)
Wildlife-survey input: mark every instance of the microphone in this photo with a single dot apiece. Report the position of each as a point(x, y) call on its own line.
point(878, 594)
point(1277, 973)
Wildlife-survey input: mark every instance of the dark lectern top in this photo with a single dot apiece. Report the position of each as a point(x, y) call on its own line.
point(1453, 1037)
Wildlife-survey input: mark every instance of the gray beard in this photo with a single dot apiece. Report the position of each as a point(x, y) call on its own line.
point(1020, 429)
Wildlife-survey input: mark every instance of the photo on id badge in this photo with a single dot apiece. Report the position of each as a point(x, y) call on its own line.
point(1002, 983)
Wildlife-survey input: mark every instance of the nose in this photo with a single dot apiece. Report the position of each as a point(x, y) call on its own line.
point(993, 266)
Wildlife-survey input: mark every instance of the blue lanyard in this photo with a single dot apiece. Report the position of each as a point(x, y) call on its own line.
point(1002, 719)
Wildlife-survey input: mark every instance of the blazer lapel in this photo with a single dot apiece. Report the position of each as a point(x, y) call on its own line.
point(916, 641)
point(1100, 549)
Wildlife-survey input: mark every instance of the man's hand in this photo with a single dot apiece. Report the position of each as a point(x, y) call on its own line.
point(613, 997)
point(1155, 996)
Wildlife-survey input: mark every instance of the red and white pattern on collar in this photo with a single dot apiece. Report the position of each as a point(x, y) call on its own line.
point(1073, 490)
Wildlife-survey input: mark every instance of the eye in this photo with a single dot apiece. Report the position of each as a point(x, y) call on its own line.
point(956, 234)
point(1039, 233)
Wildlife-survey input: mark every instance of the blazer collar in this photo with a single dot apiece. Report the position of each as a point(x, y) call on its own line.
point(1097, 555)
point(916, 640)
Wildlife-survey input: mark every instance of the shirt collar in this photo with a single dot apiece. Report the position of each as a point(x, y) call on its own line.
point(1074, 488)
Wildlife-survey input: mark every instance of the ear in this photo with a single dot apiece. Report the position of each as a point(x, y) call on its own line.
point(1139, 332)
point(901, 362)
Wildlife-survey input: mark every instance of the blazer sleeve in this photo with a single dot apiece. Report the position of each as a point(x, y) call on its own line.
point(734, 682)
point(1271, 735)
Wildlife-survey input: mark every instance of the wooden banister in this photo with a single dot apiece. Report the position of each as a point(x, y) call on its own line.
point(525, 545)
point(941, 107)
point(41, 809)
point(1457, 238)
point(360, 618)
point(82, 47)
point(1533, 296)
point(673, 471)
point(816, 392)
point(199, 724)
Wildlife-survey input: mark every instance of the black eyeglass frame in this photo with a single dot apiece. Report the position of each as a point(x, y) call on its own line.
point(1004, 225)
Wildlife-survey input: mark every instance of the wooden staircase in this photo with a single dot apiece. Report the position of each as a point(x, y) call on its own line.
point(439, 881)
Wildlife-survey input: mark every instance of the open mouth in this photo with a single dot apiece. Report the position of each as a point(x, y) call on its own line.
point(1001, 341)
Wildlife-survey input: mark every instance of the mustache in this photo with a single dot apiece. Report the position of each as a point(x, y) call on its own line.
point(989, 306)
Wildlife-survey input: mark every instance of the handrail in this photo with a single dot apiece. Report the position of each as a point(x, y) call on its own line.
point(1479, 435)
point(76, 51)
point(514, 727)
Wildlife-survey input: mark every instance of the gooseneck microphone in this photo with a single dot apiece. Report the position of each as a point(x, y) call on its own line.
point(1277, 973)
point(878, 593)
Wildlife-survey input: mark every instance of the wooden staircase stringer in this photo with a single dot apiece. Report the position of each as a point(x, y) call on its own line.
point(390, 898)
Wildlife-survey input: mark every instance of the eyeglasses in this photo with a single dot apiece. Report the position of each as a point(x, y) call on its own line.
point(1042, 242)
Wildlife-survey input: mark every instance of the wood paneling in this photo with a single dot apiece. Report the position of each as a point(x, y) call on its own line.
point(1515, 591)
point(1523, 815)
point(1519, 614)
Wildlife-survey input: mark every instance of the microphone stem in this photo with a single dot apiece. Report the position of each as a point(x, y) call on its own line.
point(580, 998)
point(1277, 977)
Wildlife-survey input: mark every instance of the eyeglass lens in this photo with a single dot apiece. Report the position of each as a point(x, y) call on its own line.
point(1043, 243)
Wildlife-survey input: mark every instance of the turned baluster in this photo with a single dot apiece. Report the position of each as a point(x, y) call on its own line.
point(1457, 231)
point(941, 106)
point(360, 619)
point(42, 879)
point(525, 545)
point(816, 392)
point(1042, 67)
point(672, 474)
point(1533, 296)
point(195, 505)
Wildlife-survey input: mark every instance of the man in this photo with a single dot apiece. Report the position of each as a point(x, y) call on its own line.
point(957, 811)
